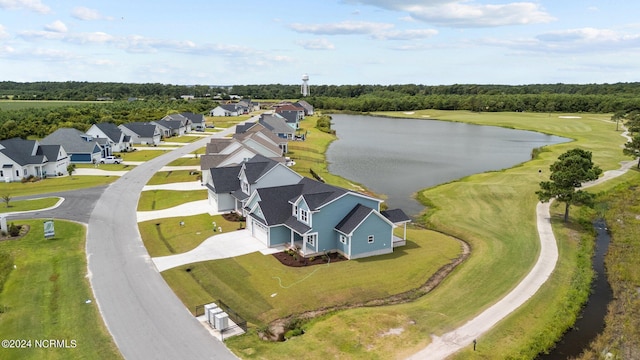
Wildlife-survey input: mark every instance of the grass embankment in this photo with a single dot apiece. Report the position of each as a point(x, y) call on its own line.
point(51, 185)
point(621, 336)
point(495, 212)
point(28, 205)
point(45, 296)
point(164, 199)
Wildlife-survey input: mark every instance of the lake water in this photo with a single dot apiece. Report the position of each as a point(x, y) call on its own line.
point(398, 157)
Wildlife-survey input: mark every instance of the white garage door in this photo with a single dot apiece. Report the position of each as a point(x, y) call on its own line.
point(259, 231)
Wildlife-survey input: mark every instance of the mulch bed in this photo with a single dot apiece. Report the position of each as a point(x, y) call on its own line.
point(289, 260)
point(24, 229)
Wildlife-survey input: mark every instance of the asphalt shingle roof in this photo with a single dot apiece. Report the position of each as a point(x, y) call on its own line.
point(396, 215)
point(225, 179)
point(350, 222)
point(111, 131)
point(72, 140)
point(20, 151)
point(146, 130)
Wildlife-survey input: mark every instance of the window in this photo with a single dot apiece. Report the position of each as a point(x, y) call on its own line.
point(370, 239)
point(311, 239)
point(295, 210)
point(343, 239)
point(304, 216)
point(1, 173)
point(245, 187)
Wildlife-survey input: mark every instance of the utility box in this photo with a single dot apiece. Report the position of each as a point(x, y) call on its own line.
point(212, 316)
point(221, 321)
point(207, 309)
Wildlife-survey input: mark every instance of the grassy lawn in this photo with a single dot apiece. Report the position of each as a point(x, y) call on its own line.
point(168, 177)
point(106, 167)
point(164, 199)
point(225, 121)
point(45, 296)
point(190, 161)
point(55, 185)
point(28, 205)
point(143, 155)
point(169, 237)
point(182, 139)
point(261, 289)
point(495, 213)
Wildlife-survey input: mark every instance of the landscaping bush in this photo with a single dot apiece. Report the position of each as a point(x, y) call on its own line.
point(14, 230)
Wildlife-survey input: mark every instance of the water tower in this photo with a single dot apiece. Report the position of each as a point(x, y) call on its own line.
point(305, 85)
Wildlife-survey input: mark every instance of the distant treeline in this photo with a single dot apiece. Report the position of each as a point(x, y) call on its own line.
point(159, 100)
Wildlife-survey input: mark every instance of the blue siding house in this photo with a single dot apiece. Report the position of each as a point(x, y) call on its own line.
point(315, 218)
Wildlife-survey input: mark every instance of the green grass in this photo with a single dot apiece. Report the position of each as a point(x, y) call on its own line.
point(8, 105)
point(247, 283)
point(168, 177)
point(495, 213)
point(106, 167)
point(191, 161)
point(169, 237)
point(143, 155)
point(28, 205)
point(225, 121)
point(49, 185)
point(44, 296)
point(182, 139)
point(164, 199)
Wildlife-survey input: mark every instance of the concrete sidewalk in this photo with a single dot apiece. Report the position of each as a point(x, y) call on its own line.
point(188, 209)
point(221, 246)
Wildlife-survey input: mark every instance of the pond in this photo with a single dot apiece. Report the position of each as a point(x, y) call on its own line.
point(398, 157)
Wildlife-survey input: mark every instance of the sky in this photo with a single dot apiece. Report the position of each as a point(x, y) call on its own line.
point(335, 42)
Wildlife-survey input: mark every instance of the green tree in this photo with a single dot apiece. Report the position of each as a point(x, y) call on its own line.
point(632, 148)
point(71, 169)
point(6, 197)
point(572, 169)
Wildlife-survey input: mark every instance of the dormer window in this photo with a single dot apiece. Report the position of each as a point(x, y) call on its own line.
point(295, 210)
point(304, 216)
point(245, 187)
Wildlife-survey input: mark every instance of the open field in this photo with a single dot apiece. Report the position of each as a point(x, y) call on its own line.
point(55, 185)
point(28, 205)
point(495, 212)
point(8, 105)
point(164, 199)
point(47, 296)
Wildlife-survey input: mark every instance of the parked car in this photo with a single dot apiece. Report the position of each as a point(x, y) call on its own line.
point(110, 160)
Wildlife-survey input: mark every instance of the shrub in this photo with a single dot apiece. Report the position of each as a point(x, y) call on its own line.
point(14, 230)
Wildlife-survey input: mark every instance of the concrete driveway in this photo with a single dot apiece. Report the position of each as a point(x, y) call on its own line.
point(227, 245)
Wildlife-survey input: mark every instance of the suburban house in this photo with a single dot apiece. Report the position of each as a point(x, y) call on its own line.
point(80, 147)
point(184, 120)
point(142, 133)
point(308, 108)
point(277, 125)
point(316, 218)
point(23, 158)
point(118, 141)
point(227, 110)
point(230, 186)
point(169, 128)
point(197, 120)
point(292, 113)
point(263, 135)
point(249, 105)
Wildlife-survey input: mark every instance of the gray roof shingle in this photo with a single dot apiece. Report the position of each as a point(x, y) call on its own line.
point(350, 222)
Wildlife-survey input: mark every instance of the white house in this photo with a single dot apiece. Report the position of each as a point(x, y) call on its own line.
point(142, 133)
point(118, 141)
point(23, 158)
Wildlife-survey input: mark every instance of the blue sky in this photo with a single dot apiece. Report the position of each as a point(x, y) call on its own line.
point(432, 42)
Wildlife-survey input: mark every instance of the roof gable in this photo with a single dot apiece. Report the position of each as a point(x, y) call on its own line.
point(110, 130)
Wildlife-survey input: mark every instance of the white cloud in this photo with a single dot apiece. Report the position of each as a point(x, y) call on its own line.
point(3, 32)
point(78, 38)
point(341, 28)
point(31, 5)
point(316, 44)
point(56, 26)
point(466, 13)
point(406, 34)
point(84, 13)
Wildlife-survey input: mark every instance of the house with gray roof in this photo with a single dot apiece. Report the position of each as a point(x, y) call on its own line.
point(197, 120)
point(142, 133)
point(80, 147)
point(315, 218)
point(277, 124)
point(184, 120)
point(113, 135)
point(169, 128)
point(227, 110)
point(21, 158)
point(230, 186)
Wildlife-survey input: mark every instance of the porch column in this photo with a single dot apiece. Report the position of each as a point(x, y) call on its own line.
point(404, 236)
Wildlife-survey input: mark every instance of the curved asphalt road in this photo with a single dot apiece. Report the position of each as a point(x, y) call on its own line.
point(144, 316)
point(77, 205)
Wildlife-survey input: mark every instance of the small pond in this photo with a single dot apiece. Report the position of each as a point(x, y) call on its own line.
point(398, 157)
